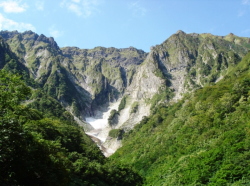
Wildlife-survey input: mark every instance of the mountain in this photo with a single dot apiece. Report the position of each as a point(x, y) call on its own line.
point(40, 142)
point(88, 81)
point(178, 115)
point(91, 75)
point(203, 139)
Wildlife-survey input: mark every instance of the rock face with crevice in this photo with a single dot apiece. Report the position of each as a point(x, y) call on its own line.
point(86, 81)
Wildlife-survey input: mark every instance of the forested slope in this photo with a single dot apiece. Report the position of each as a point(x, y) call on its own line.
point(40, 143)
point(204, 139)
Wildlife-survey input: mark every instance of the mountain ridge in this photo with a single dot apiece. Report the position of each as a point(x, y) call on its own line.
point(203, 139)
point(178, 115)
point(85, 81)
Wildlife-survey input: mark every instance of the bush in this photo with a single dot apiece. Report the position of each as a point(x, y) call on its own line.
point(134, 107)
point(122, 104)
point(116, 133)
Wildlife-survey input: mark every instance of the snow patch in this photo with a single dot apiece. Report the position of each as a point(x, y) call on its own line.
point(97, 123)
point(101, 127)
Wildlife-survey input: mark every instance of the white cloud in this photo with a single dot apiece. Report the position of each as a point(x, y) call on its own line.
point(55, 32)
point(138, 10)
point(85, 8)
point(12, 6)
point(246, 2)
point(8, 24)
point(76, 9)
point(39, 5)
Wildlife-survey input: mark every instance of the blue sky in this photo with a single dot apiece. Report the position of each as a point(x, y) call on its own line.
point(124, 23)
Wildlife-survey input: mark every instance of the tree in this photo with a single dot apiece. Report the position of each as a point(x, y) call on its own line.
point(12, 92)
point(23, 159)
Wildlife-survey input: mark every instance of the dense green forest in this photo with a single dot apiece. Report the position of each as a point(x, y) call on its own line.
point(37, 150)
point(40, 143)
point(204, 139)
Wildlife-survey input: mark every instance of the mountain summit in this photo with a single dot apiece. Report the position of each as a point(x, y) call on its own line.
point(87, 81)
point(178, 115)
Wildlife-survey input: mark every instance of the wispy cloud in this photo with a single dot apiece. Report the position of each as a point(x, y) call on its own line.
point(76, 9)
point(55, 32)
point(138, 9)
point(8, 24)
point(246, 2)
point(12, 6)
point(39, 5)
point(85, 8)
point(244, 8)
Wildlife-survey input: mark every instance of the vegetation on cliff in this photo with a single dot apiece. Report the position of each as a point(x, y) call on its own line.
point(40, 143)
point(201, 140)
point(36, 150)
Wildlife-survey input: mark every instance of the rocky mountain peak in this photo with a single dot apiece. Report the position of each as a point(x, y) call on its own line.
point(180, 32)
point(85, 80)
point(30, 36)
point(49, 40)
point(8, 34)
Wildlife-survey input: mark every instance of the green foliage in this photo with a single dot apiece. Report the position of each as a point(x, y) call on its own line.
point(193, 72)
point(17, 147)
point(201, 140)
point(205, 69)
point(48, 106)
point(122, 103)
point(159, 73)
point(59, 86)
point(160, 97)
point(35, 150)
point(112, 117)
point(112, 114)
point(208, 58)
point(134, 107)
point(56, 86)
point(75, 108)
point(116, 133)
point(13, 90)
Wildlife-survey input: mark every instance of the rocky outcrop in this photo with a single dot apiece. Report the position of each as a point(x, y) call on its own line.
point(190, 61)
point(181, 64)
point(85, 81)
point(96, 76)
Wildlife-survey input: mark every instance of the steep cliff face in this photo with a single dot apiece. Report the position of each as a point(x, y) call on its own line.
point(86, 81)
point(82, 80)
point(104, 72)
point(33, 50)
point(10, 62)
point(185, 62)
point(181, 64)
point(195, 140)
point(4, 53)
point(191, 61)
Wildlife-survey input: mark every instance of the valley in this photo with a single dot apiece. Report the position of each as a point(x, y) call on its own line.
point(177, 115)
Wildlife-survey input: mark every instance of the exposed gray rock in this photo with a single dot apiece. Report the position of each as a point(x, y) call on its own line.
point(86, 81)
